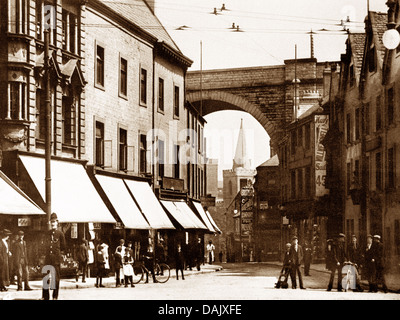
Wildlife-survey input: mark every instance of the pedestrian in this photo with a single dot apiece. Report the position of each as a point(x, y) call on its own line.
point(100, 265)
point(12, 264)
point(83, 258)
point(5, 254)
point(220, 256)
point(55, 245)
point(379, 258)
point(285, 272)
point(199, 253)
point(296, 257)
point(21, 262)
point(104, 249)
point(354, 256)
point(149, 263)
point(127, 261)
point(210, 252)
point(179, 261)
point(307, 258)
point(118, 266)
point(160, 253)
point(369, 263)
point(339, 257)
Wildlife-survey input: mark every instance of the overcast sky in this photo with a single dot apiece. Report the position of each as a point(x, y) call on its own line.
point(268, 33)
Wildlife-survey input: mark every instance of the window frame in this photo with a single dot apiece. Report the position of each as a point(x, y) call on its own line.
point(143, 87)
point(99, 85)
point(123, 87)
point(161, 95)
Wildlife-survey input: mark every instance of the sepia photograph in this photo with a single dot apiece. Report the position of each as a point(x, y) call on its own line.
point(193, 157)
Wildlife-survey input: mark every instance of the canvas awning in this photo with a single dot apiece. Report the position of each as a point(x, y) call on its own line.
point(73, 196)
point(149, 204)
point(213, 222)
point(14, 201)
point(203, 216)
point(122, 201)
point(183, 214)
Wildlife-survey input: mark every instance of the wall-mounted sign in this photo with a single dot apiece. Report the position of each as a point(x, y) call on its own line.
point(24, 222)
point(74, 231)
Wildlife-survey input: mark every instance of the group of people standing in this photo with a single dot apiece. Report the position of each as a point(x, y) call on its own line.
point(13, 261)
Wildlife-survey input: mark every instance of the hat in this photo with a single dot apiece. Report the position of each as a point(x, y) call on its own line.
point(369, 236)
point(288, 244)
point(341, 235)
point(6, 232)
point(53, 217)
point(294, 238)
point(20, 233)
point(376, 236)
point(329, 240)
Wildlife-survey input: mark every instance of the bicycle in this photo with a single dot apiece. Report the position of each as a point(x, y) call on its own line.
point(162, 272)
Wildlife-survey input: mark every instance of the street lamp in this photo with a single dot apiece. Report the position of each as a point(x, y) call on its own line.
point(391, 37)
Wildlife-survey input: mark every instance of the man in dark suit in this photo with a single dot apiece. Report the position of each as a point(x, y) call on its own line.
point(378, 256)
point(369, 263)
point(55, 244)
point(4, 256)
point(339, 257)
point(21, 262)
point(296, 254)
point(83, 258)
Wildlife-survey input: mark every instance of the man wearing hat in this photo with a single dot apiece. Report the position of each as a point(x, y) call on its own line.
point(4, 256)
point(21, 262)
point(379, 263)
point(55, 244)
point(339, 257)
point(296, 254)
point(369, 263)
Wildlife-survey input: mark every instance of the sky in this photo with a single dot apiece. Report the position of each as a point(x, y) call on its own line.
point(268, 32)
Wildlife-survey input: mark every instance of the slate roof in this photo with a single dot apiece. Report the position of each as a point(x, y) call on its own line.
point(139, 13)
point(357, 44)
point(379, 26)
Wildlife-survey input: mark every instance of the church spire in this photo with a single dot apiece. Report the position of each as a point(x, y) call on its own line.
point(240, 159)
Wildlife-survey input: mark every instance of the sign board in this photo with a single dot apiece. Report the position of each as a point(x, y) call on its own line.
point(24, 222)
point(74, 231)
point(321, 128)
point(118, 226)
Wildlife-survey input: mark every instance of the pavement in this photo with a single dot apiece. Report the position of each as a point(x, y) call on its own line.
point(71, 283)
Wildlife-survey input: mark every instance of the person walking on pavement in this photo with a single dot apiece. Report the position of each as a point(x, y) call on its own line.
point(83, 258)
point(149, 263)
point(339, 257)
point(379, 258)
point(296, 255)
point(199, 253)
point(21, 262)
point(4, 260)
point(127, 261)
point(100, 265)
point(307, 258)
point(369, 263)
point(354, 256)
point(118, 266)
point(210, 252)
point(55, 245)
point(179, 261)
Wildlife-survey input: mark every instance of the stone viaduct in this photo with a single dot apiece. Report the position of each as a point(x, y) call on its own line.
point(267, 93)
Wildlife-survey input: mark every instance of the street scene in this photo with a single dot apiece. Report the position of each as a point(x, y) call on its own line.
point(167, 150)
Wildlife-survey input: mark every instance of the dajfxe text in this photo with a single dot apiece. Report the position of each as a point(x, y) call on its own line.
point(215, 310)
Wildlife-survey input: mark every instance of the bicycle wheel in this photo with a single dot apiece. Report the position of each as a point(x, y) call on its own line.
point(138, 274)
point(162, 272)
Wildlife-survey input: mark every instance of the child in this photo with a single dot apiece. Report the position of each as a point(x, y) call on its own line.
point(100, 264)
point(128, 268)
point(180, 261)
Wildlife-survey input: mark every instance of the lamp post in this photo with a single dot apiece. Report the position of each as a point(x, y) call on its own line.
point(48, 125)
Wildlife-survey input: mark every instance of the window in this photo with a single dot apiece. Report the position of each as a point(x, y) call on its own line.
point(378, 117)
point(358, 124)
point(293, 142)
point(143, 86)
point(348, 127)
point(348, 177)
point(69, 31)
point(176, 162)
point(161, 161)
point(161, 94)
point(176, 101)
point(307, 136)
point(391, 168)
point(40, 132)
point(68, 120)
point(123, 150)
point(293, 184)
point(357, 177)
point(46, 19)
point(99, 66)
point(378, 170)
point(367, 124)
point(99, 144)
point(142, 154)
point(17, 101)
point(123, 77)
point(390, 105)
point(371, 53)
point(300, 182)
point(17, 16)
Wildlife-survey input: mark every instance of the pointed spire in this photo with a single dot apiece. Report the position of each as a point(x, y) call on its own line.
point(240, 159)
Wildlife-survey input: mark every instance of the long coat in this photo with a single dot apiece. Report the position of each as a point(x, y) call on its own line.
point(55, 244)
point(4, 268)
point(330, 262)
point(20, 253)
point(296, 257)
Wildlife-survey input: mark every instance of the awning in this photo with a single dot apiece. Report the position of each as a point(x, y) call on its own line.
point(122, 201)
point(203, 216)
point(213, 222)
point(183, 214)
point(14, 201)
point(149, 204)
point(73, 196)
